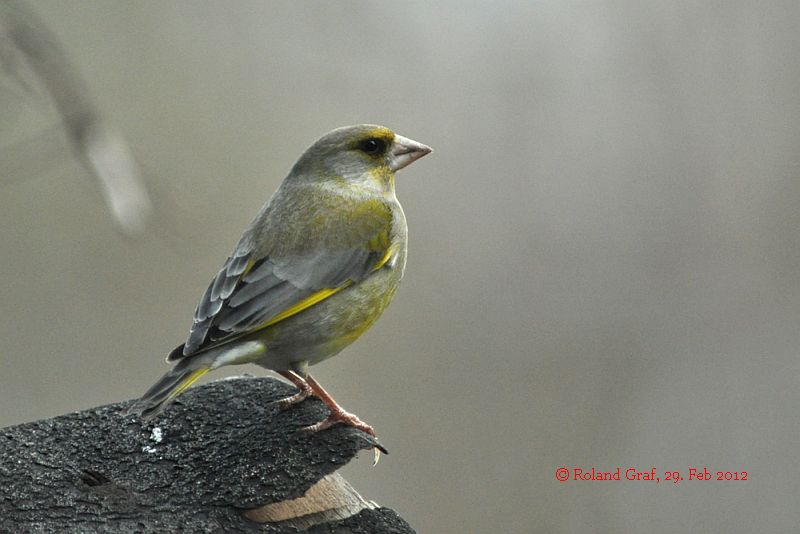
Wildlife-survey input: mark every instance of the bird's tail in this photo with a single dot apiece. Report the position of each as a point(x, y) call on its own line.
point(172, 384)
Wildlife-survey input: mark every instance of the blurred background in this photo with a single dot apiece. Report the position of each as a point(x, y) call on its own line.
point(604, 258)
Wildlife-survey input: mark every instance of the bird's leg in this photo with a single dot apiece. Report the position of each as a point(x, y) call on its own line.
point(304, 389)
point(338, 415)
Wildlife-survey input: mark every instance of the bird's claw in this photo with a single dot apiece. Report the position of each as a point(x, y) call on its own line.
point(346, 418)
point(291, 400)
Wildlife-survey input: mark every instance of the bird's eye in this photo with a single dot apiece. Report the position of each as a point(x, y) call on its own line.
point(372, 146)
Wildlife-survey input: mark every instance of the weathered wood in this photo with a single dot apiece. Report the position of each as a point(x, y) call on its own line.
point(331, 498)
point(222, 458)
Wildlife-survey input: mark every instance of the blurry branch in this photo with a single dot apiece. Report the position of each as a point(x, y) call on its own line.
point(223, 458)
point(30, 53)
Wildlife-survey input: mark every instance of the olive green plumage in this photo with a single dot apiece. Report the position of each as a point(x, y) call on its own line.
point(314, 270)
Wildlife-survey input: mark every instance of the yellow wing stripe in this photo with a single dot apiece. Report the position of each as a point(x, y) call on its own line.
point(188, 381)
point(247, 268)
point(386, 257)
point(320, 295)
point(307, 302)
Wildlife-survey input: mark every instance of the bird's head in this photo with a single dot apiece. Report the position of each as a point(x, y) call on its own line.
point(366, 154)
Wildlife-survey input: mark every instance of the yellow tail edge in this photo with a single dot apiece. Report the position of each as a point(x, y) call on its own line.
point(188, 381)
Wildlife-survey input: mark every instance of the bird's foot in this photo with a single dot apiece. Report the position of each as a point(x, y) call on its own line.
point(346, 418)
point(303, 390)
point(291, 400)
point(341, 417)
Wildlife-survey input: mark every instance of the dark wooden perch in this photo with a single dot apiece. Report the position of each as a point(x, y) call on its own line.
point(223, 458)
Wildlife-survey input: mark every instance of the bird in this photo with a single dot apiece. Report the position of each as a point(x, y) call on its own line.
point(313, 271)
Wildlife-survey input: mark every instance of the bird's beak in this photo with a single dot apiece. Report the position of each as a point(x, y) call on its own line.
point(404, 152)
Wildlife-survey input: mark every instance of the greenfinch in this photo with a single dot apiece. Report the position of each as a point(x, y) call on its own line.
point(312, 272)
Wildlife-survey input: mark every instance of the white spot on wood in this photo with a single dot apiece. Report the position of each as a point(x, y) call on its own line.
point(156, 435)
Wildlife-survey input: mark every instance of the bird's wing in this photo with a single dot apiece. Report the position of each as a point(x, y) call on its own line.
point(301, 268)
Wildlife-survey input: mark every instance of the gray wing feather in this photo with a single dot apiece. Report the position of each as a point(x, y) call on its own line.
point(214, 297)
point(325, 269)
point(255, 286)
point(236, 319)
point(197, 335)
point(257, 273)
point(205, 308)
point(234, 304)
point(251, 289)
point(228, 277)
